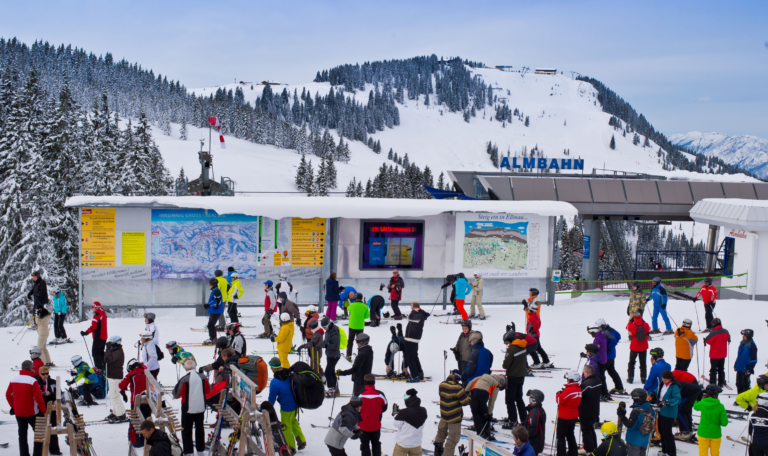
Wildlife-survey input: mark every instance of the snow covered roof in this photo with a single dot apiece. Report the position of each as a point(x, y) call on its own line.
point(745, 214)
point(304, 207)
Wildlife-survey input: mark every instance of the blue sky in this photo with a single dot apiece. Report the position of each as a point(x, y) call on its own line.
point(686, 65)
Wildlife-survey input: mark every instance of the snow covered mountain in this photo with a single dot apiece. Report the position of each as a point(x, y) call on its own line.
point(747, 152)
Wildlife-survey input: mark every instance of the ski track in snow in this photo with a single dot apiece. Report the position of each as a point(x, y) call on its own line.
point(563, 334)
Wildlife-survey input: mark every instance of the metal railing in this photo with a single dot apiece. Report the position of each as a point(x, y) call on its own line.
point(685, 285)
point(675, 260)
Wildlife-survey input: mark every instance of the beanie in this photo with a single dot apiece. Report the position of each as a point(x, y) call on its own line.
point(275, 362)
point(356, 401)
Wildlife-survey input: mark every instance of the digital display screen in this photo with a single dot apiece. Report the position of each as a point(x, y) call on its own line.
point(392, 245)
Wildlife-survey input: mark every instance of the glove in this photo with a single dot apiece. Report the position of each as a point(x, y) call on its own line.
point(621, 411)
point(269, 314)
point(273, 337)
point(395, 409)
point(206, 306)
point(201, 370)
point(664, 306)
point(338, 373)
point(695, 299)
point(83, 333)
point(663, 404)
point(356, 435)
point(583, 355)
point(70, 382)
point(125, 396)
point(298, 321)
point(525, 302)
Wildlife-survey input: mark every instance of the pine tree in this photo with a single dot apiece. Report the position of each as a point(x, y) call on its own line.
point(526, 121)
point(301, 174)
point(441, 181)
point(351, 189)
point(330, 170)
point(390, 155)
point(613, 142)
point(183, 129)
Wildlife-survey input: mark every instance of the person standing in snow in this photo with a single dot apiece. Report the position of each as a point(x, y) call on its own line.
point(344, 427)
point(638, 346)
point(358, 313)
point(685, 340)
point(613, 337)
point(42, 319)
point(452, 399)
point(589, 407)
point(236, 293)
point(98, 331)
point(331, 342)
point(516, 369)
point(284, 339)
point(332, 296)
point(477, 296)
point(537, 420)
point(409, 422)
point(48, 388)
point(237, 339)
point(745, 360)
point(114, 357)
point(658, 366)
point(309, 315)
point(395, 288)
point(39, 292)
point(59, 315)
point(600, 339)
point(362, 365)
point(480, 360)
point(413, 333)
point(374, 406)
point(718, 340)
point(26, 401)
point(462, 290)
point(284, 286)
point(533, 327)
point(637, 300)
point(149, 353)
point(280, 391)
point(659, 296)
point(708, 294)
point(463, 348)
point(289, 307)
point(215, 308)
point(568, 400)
point(192, 389)
point(224, 287)
point(314, 347)
point(270, 307)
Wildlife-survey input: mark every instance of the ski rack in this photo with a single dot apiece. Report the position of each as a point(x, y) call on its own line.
point(44, 429)
point(163, 417)
point(249, 442)
point(481, 442)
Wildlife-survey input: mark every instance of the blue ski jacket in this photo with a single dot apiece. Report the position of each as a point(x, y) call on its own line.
point(215, 307)
point(654, 377)
point(747, 357)
point(59, 303)
point(480, 361)
point(280, 391)
point(611, 350)
point(659, 296)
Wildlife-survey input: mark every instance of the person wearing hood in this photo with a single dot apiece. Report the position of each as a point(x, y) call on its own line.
point(659, 296)
point(522, 445)
point(463, 348)
point(114, 357)
point(362, 365)
point(270, 307)
point(344, 427)
point(745, 360)
point(413, 333)
point(480, 360)
point(332, 296)
point(637, 442)
point(685, 341)
point(452, 399)
point(280, 392)
point(638, 346)
point(483, 391)
point(537, 420)
point(284, 339)
point(714, 418)
point(718, 340)
point(758, 426)
point(374, 406)
point(26, 401)
point(331, 342)
point(59, 315)
point(600, 339)
point(668, 396)
point(39, 292)
point(568, 400)
point(658, 366)
point(42, 319)
point(516, 369)
point(409, 422)
point(462, 290)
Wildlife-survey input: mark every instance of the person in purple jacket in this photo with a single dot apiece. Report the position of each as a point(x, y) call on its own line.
point(591, 355)
point(601, 340)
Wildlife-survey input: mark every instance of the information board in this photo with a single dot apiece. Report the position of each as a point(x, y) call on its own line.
point(134, 251)
point(98, 237)
point(392, 245)
point(307, 242)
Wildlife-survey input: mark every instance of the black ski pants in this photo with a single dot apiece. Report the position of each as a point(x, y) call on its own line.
point(742, 382)
point(411, 355)
point(610, 368)
point(98, 353)
point(666, 434)
point(478, 403)
point(233, 312)
point(58, 326)
point(198, 421)
point(565, 433)
point(709, 311)
point(601, 368)
point(212, 319)
point(633, 356)
point(330, 371)
point(685, 414)
point(24, 423)
point(351, 339)
point(588, 434)
point(395, 303)
point(370, 443)
point(514, 397)
point(336, 451)
point(539, 351)
point(758, 450)
point(717, 369)
point(682, 364)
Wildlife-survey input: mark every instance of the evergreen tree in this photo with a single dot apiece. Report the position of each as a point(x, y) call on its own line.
point(351, 189)
point(183, 129)
point(526, 121)
point(613, 142)
point(390, 155)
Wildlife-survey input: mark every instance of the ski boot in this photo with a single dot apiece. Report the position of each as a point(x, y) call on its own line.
point(110, 417)
point(537, 366)
point(207, 342)
point(547, 365)
point(50, 365)
point(481, 318)
point(438, 449)
point(117, 419)
point(618, 391)
point(654, 331)
point(706, 330)
point(301, 444)
point(667, 332)
point(413, 380)
point(330, 392)
point(509, 424)
point(630, 380)
point(643, 380)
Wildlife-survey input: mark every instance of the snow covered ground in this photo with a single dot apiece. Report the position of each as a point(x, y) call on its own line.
point(563, 336)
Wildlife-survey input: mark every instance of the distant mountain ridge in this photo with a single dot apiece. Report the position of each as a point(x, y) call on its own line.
point(747, 152)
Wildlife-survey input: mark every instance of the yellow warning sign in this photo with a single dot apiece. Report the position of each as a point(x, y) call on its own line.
point(307, 242)
point(134, 248)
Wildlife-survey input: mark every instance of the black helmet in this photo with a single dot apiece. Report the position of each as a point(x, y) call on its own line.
point(363, 339)
point(657, 352)
point(511, 326)
point(748, 332)
point(231, 269)
point(218, 273)
point(716, 322)
point(636, 283)
point(234, 326)
point(510, 337)
point(762, 380)
point(537, 397)
point(467, 323)
point(534, 291)
point(712, 390)
point(313, 324)
point(358, 297)
point(222, 342)
point(591, 348)
point(708, 280)
point(639, 395)
point(213, 282)
point(325, 322)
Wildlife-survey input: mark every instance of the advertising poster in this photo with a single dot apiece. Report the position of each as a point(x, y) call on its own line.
point(392, 245)
point(501, 245)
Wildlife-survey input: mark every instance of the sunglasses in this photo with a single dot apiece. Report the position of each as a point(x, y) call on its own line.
point(44, 373)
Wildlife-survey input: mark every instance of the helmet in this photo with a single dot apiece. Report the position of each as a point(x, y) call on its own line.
point(231, 269)
point(591, 348)
point(235, 275)
point(762, 381)
point(608, 429)
point(234, 326)
point(77, 360)
point(149, 316)
point(281, 276)
point(461, 275)
point(708, 280)
point(131, 363)
point(311, 309)
point(394, 347)
point(171, 345)
point(56, 289)
point(534, 291)
point(533, 307)
point(636, 283)
point(716, 322)
point(222, 342)
point(511, 326)
point(313, 325)
point(325, 322)
point(687, 322)
point(510, 337)
point(213, 282)
point(218, 273)
point(537, 397)
point(147, 335)
point(358, 297)
point(115, 340)
point(748, 332)
point(572, 376)
point(467, 323)
point(95, 304)
point(600, 323)
point(657, 353)
point(35, 353)
point(362, 339)
point(639, 395)
point(762, 399)
point(657, 279)
point(285, 316)
point(713, 390)
point(593, 329)
point(36, 274)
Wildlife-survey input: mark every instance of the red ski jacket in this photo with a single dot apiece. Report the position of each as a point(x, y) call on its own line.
point(36, 365)
point(718, 341)
point(99, 317)
point(374, 406)
point(633, 327)
point(568, 401)
point(533, 324)
point(24, 395)
point(137, 381)
point(684, 376)
point(708, 293)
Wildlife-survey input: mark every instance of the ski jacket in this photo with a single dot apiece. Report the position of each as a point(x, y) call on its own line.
point(463, 348)
point(477, 287)
point(86, 373)
point(314, 316)
point(280, 391)
point(37, 363)
point(452, 399)
point(362, 365)
point(49, 386)
point(24, 395)
point(114, 358)
point(613, 337)
point(284, 337)
point(718, 340)
point(748, 398)
point(526, 302)
point(415, 326)
point(490, 384)
point(654, 376)
point(291, 308)
point(358, 313)
point(59, 303)
point(592, 361)
point(149, 356)
point(137, 380)
point(708, 294)
point(659, 296)
point(462, 288)
point(533, 324)
point(409, 422)
point(98, 327)
point(192, 392)
point(636, 303)
point(39, 293)
point(239, 344)
point(602, 345)
point(633, 423)
point(395, 288)
point(589, 407)
point(531, 343)
point(152, 327)
point(479, 362)
point(270, 300)
point(758, 426)
point(284, 287)
point(375, 304)
point(672, 395)
point(747, 357)
point(332, 292)
point(611, 446)
point(714, 418)
point(236, 291)
point(524, 450)
point(224, 287)
point(536, 426)
point(159, 443)
point(684, 376)
point(685, 341)
point(215, 305)
point(315, 345)
point(638, 329)
point(343, 427)
point(181, 356)
point(332, 341)
point(515, 361)
point(568, 401)
point(345, 299)
point(374, 406)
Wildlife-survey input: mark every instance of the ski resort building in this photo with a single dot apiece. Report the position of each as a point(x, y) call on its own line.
point(545, 71)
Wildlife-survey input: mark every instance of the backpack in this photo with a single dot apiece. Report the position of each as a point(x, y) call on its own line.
point(342, 338)
point(649, 421)
point(175, 447)
point(160, 354)
point(256, 369)
point(640, 334)
point(308, 388)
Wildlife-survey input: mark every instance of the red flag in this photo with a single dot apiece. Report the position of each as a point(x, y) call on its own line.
point(214, 121)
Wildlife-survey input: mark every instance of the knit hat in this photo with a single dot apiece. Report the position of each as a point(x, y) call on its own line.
point(369, 379)
point(275, 362)
point(355, 401)
point(324, 322)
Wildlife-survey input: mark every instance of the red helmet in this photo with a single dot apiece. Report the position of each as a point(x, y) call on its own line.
point(95, 304)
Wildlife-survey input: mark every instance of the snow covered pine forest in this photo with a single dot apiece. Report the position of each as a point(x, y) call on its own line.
point(75, 123)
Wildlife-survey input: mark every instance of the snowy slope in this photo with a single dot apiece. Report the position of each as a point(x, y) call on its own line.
point(748, 152)
point(563, 336)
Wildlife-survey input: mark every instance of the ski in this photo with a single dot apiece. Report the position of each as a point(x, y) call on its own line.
point(458, 323)
point(383, 429)
point(56, 368)
point(703, 377)
point(736, 441)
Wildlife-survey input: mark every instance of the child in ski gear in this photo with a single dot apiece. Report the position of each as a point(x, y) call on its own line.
point(395, 289)
point(409, 422)
point(758, 427)
point(568, 400)
point(309, 315)
point(26, 401)
point(344, 427)
point(612, 445)
point(600, 340)
point(668, 396)
point(358, 313)
point(532, 327)
point(42, 319)
point(270, 307)
point(477, 296)
point(192, 388)
point(413, 333)
point(637, 301)
point(236, 339)
point(114, 358)
point(483, 391)
point(37, 362)
point(331, 342)
point(685, 341)
point(87, 375)
point(178, 354)
point(516, 369)
point(522, 445)
point(98, 330)
point(713, 419)
point(332, 296)
point(452, 399)
point(59, 314)
point(215, 307)
point(347, 297)
point(284, 339)
point(659, 296)
point(658, 366)
point(280, 391)
point(236, 293)
point(745, 360)
point(314, 346)
point(363, 364)
point(589, 407)
point(463, 348)
point(708, 294)
point(748, 399)
point(136, 380)
point(480, 360)
point(374, 406)
point(637, 440)
point(638, 346)
point(537, 420)
point(718, 340)
point(396, 344)
point(462, 290)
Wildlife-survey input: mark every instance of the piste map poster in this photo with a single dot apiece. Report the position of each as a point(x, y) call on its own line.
point(500, 245)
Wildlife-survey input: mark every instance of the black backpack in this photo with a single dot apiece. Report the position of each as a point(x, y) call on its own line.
point(308, 388)
point(640, 334)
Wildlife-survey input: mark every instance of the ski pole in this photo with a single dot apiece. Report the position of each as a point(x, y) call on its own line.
point(696, 308)
point(729, 362)
point(333, 404)
point(554, 434)
point(88, 350)
point(23, 329)
point(445, 358)
point(698, 371)
point(436, 299)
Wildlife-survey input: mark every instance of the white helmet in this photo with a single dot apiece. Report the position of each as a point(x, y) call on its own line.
point(312, 309)
point(599, 322)
point(115, 340)
point(477, 273)
point(281, 276)
point(533, 307)
point(76, 360)
point(56, 289)
point(762, 399)
point(35, 353)
point(687, 322)
point(394, 347)
point(285, 316)
point(572, 376)
point(235, 275)
point(147, 335)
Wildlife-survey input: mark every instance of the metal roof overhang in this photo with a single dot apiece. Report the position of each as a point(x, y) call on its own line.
point(747, 215)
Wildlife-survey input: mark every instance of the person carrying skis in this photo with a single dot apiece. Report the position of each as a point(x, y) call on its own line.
point(516, 369)
point(314, 347)
point(236, 293)
point(85, 373)
point(237, 339)
point(659, 296)
point(713, 419)
point(114, 357)
point(685, 341)
point(600, 340)
point(224, 287)
point(409, 422)
point(658, 366)
point(395, 289)
point(638, 346)
point(748, 399)
point(477, 296)
point(331, 342)
point(463, 348)
point(363, 364)
point(358, 313)
point(98, 331)
point(537, 420)
point(637, 441)
point(745, 360)
point(332, 296)
point(59, 315)
point(612, 339)
point(374, 406)
point(611, 445)
point(637, 300)
point(483, 391)
point(344, 427)
point(191, 389)
point(532, 327)
point(270, 307)
point(568, 400)
point(452, 399)
point(462, 289)
point(718, 340)
point(178, 354)
point(589, 407)
point(413, 333)
point(280, 391)
point(215, 307)
point(708, 294)
point(480, 360)
point(758, 427)
point(284, 339)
